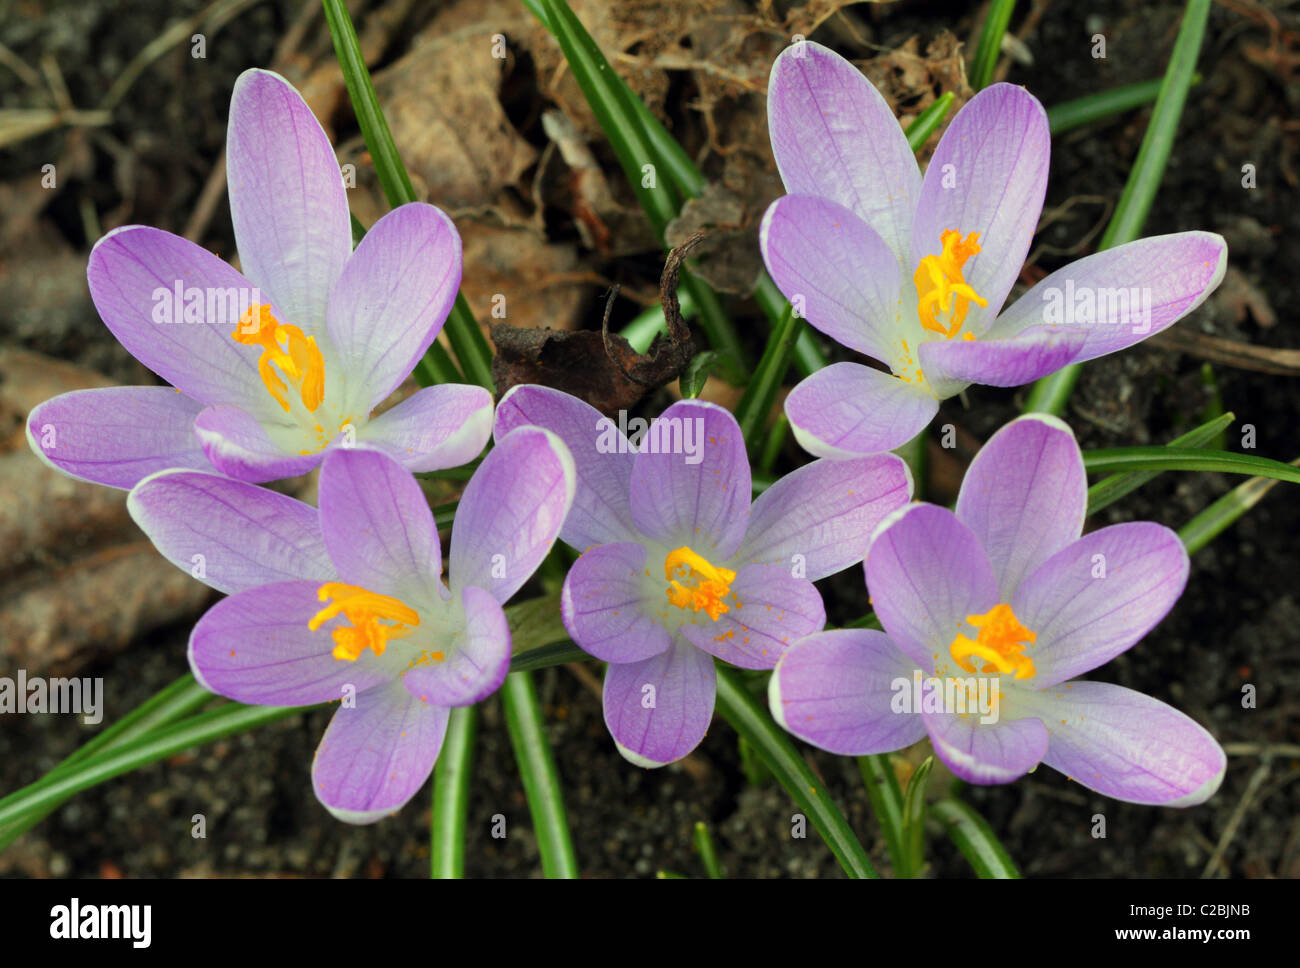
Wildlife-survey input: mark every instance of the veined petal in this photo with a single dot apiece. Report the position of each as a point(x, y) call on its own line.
point(1098, 596)
point(608, 609)
point(659, 709)
point(769, 610)
point(473, 664)
point(833, 135)
point(1007, 362)
point(377, 526)
point(986, 753)
point(511, 512)
point(230, 535)
point(1126, 745)
point(836, 690)
point(602, 458)
point(255, 647)
point(988, 175)
point(691, 480)
point(238, 446)
point(926, 572)
point(435, 428)
point(836, 271)
point(116, 435)
point(1120, 296)
point(1025, 496)
point(134, 273)
point(287, 198)
point(391, 300)
point(825, 513)
point(847, 410)
point(377, 754)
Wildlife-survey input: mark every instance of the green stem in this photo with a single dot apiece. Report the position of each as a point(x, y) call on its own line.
point(708, 853)
point(451, 795)
point(887, 803)
point(975, 839)
point(990, 43)
point(914, 818)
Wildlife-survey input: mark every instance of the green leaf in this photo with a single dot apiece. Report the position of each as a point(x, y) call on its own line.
point(1186, 459)
point(1050, 394)
point(543, 657)
point(925, 123)
point(708, 854)
point(466, 338)
point(541, 781)
point(914, 818)
point(887, 804)
point(756, 402)
point(990, 43)
point(697, 373)
point(1110, 489)
point(451, 778)
point(975, 839)
point(1069, 115)
point(1216, 518)
point(751, 721)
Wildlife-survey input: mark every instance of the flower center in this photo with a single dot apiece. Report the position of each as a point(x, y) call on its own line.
point(696, 584)
point(284, 347)
point(366, 610)
point(1000, 642)
point(941, 288)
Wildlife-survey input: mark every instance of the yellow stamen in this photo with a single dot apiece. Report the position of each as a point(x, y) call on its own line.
point(297, 356)
point(1001, 643)
point(365, 610)
point(941, 287)
point(701, 587)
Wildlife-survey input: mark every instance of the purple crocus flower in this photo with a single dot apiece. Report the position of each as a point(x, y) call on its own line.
point(347, 603)
point(912, 271)
point(678, 568)
point(1005, 600)
point(272, 366)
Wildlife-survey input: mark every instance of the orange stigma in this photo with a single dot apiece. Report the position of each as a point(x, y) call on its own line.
point(297, 357)
point(700, 586)
point(941, 287)
point(1001, 643)
point(365, 610)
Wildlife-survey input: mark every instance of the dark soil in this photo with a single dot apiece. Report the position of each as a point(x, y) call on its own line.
point(1236, 625)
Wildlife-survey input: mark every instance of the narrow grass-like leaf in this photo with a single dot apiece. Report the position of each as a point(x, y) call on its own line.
point(975, 839)
point(756, 402)
point(708, 853)
point(541, 781)
point(451, 779)
point(1110, 489)
point(1186, 459)
point(1069, 115)
point(887, 804)
point(751, 721)
point(990, 43)
point(925, 123)
point(914, 817)
point(1050, 394)
point(1216, 518)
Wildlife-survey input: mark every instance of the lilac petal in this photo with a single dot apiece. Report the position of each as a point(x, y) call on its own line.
point(836, 271)
point(821, 516)
point(511, 512)
point(836, 690)
point(1126, 745)
point(392, 299)
point(473, 665)
point(230, 535)
point(691, 481)
point(1098, 596)
point(238, 446)
point(135, 270)
point(834, 135)
point(659, 709)
point(996, 152)
point(377, 526)
point(435, 428)
point(1025, 496)
point(1177, 272)
point(1010, 362)
point(769, 610)
point(986, 753)
point(287, 198)
point(116, 435)
point(926, 572)
point(255, 647)
point(847, 409)
point(601, 456)
point(607, 608)
point(378, 754)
